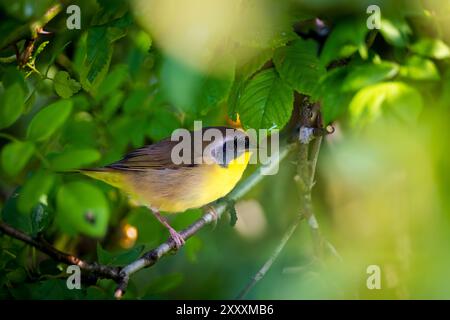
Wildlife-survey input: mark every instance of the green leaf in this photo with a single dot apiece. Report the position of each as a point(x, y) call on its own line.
point(113, 81)
point(419, 68)
point(119, 258)
point(162, 124)
point(12, 75)
point(433, 48)
point(329, 92)
point(40, 218)
point(367, 74)
point(12, 216)
point(253, 64)
point(65, 86)
point(48, 120)
point(99, 51)
point(347, 37)
point(12, 102)
point(394, 100)
point(34, 188)
point(194, 92)
point(83, 208)
point(164, 283)
point(299, 66)
point(74, 159)
point(266, 102)
point(395, 31)
point(15, 156)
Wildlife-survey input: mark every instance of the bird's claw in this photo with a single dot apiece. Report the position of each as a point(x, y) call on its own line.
point(177, 238)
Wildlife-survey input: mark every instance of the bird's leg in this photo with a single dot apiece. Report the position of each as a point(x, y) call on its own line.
point(177, 238)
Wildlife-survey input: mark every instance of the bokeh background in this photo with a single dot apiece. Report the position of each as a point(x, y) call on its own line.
point(137, 70)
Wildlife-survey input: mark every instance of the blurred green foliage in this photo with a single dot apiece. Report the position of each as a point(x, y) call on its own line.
point(85, 97)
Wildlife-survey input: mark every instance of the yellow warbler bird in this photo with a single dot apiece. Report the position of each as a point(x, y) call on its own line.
point(155, 177)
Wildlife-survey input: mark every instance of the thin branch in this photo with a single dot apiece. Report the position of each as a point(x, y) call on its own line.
point(268, 264)
point(45, 247)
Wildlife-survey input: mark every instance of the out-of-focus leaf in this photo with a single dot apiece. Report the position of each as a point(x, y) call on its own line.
point(192, 247)
point(266, 102)
point(433, 48)
point(419, 68)
point(162, 124)
point(113, 81)
point(347, 37)
point(120, 258)
point(329, 92)
point(74, 158)
point(12, 75)
point(65, 86)
point(253, 64)
point(164, 283)
point(367, 74)
point(83, 207)
point(12, 216)
point(194, 92)
point(48, 120)
point(15, 156)
point(395, 31)
point(394, 100)
point(12, 102)
point(40, 218)
point(298, 65)
point(35, 187)
point(135, 101)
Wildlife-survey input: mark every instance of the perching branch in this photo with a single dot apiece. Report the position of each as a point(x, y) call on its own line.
point(43, 246)
point(122, 275)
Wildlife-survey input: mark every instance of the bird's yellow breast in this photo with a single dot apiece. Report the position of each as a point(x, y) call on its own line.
point(219, 181)
point(178, 190)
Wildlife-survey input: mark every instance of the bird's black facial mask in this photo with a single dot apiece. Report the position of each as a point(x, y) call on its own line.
point(231, 149)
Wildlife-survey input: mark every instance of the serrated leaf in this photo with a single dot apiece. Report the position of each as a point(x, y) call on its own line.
point(394, 100)
point(419, 68)
point(266, 102)
point(253, 64)
point(98, 49)
point(366, 74)
point(65, 86)
point(83, 208)
point(48, 120)
point(34, 188)
point(433, 48)
point(12, 102)
point(298, 65)
point(39, 50)
point(15, 155)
